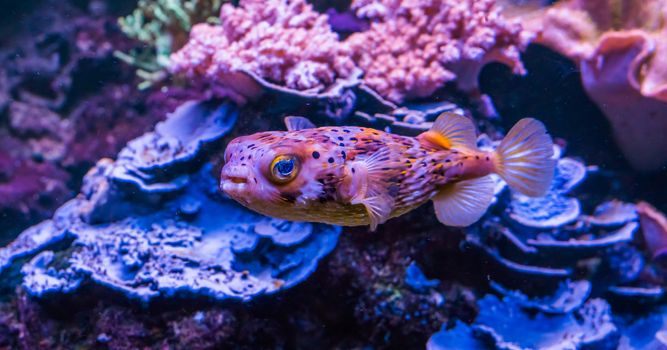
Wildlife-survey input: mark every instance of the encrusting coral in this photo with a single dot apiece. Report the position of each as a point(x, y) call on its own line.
point(414, 47)
point(621, 48)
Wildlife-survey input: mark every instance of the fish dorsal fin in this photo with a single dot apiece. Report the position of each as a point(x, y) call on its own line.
point(368, 186)
point(298, 123)
point(464, 202)
point(452, 130)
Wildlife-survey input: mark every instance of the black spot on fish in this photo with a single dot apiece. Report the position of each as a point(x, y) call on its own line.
point(340, 138)
point(353, 171)
point(448, 160)
point(341, 144)
point(385, 169)
point(316, 154)
point(353, 139)
point(487, 158)
point(345, 130)
point(242, 158)
point(477, 157)
point(330, 160)
point(342, 154)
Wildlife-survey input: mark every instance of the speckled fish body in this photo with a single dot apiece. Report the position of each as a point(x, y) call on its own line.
point(354, 176)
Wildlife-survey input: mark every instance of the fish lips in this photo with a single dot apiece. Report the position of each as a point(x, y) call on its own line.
point(234, 180)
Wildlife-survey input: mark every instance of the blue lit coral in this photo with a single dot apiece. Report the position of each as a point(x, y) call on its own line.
point(154, 224)
point(503, 324)
point(544, 239)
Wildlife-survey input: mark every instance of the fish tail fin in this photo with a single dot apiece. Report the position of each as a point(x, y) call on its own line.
point(524, 158)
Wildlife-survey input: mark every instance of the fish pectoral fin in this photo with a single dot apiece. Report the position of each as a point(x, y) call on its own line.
point(378, 209)
point(463, 203)
point(368, 185)
point(452, 130)
point(298, 123)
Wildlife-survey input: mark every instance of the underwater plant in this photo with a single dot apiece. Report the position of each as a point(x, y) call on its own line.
point(163, 27)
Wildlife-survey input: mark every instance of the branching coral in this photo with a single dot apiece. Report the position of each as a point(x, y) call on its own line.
point(414, 47)
point(164, 26)
point(284, 42)
point(621, 47)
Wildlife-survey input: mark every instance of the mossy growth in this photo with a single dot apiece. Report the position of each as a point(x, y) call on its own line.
point(163, 26)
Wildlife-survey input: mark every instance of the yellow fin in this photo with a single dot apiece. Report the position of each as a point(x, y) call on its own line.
point(524, 158)
point(452, 130)
point(298, 123)
point(464, 202)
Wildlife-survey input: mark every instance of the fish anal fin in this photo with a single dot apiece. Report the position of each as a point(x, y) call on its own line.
point(463, 203)
point(294, 123)
point(451, 130)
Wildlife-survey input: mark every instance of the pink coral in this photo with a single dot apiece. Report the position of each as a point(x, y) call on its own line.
point(654, 227)
point(621, 47)
point(414, 46)
point(284, 42)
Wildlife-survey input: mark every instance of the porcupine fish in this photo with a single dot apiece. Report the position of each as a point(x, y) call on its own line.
point(353, 176)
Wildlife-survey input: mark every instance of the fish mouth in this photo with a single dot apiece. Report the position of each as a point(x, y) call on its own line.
point(233, 180)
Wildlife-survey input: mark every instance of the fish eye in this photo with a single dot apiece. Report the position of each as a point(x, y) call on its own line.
point(283, 169)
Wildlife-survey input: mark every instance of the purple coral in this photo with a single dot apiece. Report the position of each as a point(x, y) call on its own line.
point(284, 42)
point(414, 47)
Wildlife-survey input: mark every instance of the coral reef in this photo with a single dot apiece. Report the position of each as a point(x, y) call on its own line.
point(151, 255)
point(164, 26)
point(404, 54)
point(147, 226)
point(285, 43)
point(504, 325)
point(619, 46)
point(413, 47)
point(64, 103)
point(654, 227)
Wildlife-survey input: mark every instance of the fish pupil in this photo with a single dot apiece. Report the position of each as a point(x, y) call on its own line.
point(285, 167)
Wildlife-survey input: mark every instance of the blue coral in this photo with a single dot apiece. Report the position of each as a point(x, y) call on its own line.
point(154, 224)
point(504, 324)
